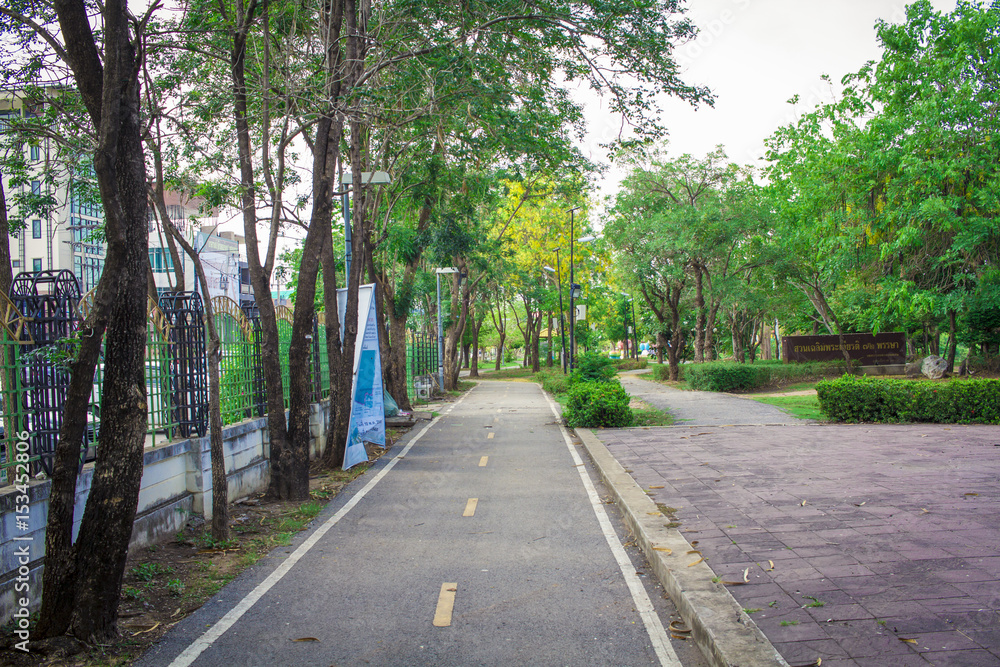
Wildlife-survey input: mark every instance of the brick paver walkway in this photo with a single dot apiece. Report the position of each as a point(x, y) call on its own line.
point(884, 540)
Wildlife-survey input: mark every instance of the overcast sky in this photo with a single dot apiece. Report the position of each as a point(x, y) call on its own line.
point(755, 55)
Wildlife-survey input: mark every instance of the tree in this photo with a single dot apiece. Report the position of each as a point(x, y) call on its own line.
point(82, 582)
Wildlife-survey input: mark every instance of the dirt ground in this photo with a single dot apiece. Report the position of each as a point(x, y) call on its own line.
point(167, 581)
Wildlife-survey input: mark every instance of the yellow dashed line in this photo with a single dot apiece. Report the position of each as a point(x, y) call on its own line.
point(470, 507)
point(489, 436)
point(483, 461)
point(445, 605)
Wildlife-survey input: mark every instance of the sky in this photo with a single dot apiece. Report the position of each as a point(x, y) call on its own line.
point(755, 55)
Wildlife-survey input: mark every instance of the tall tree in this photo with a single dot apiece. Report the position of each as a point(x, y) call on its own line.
point(82, 581)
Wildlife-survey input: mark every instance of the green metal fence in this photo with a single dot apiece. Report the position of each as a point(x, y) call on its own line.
point(241, 377)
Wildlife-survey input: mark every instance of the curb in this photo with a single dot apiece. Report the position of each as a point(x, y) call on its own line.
point(726, 635)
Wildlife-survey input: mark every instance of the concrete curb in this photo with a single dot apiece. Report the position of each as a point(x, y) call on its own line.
point(726, 635)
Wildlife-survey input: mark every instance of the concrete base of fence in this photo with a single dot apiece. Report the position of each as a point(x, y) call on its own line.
point(176, 484)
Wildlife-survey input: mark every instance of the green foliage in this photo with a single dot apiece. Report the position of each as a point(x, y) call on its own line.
point(555, 383)
point(631, 364)
point(149, 571)
point(864, 399)
point(592, 367)
point(731, 376)
point(661, 372)
point(598, 404)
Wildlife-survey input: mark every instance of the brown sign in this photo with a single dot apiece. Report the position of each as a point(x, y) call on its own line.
point(868, 349)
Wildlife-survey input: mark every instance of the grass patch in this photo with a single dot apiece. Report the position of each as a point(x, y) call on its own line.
point(647, 415)
point(802, 407)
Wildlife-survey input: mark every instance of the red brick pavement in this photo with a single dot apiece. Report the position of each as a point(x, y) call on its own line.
point(884, 540)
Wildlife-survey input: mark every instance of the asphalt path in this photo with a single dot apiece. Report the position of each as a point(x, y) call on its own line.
point(480, 540)
point(705, 408)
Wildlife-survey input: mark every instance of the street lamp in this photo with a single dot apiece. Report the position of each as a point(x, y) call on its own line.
point(562, 323)
point(574, 289)
point(367, 178)
point(446, 269)
point(635, 330)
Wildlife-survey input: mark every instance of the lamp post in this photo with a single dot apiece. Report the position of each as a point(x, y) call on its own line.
point(574, 291)
point(446, 269)
point(635, 330)
point(367, 178)
point(562, 323)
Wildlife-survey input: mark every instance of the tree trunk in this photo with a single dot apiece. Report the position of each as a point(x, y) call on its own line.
point(500, 352)
point(477, 326)
point(333, 453)
point(952, 343)
point(700, 321)
point(82, 584)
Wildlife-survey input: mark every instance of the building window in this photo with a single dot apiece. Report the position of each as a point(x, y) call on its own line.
point(36, 264)
point(36, 229)
point(36, 188)
point(15, 263)
point(35, 153)
point(160, 260)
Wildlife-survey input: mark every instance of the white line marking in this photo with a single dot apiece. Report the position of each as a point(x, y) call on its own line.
point(191, 653)
point(657, 635)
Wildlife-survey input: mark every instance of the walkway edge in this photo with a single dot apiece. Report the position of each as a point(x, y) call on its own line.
point(727, 636)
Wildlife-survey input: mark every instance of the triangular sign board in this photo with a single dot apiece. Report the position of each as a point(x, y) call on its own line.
point(367, 422)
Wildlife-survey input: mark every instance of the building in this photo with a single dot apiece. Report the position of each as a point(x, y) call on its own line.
point(219, 252)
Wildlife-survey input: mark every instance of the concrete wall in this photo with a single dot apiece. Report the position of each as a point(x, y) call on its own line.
point(176, 484)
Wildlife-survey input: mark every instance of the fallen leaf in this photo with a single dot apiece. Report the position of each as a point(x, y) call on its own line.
point(149, 629)
point(802, 504)
point(682, 637)
point(924, 510)
point(694, 551)
point(815, 663)
point(771, 563)
point(733, 583)
point(908, 641)
point(655, 513)
point(696, 562)
point(679, 626)
point(176, 612)
point(971, 494)
point(694, 543)
point(305, 639)
point(656, 487)
point(664, 550)
point(860, 504)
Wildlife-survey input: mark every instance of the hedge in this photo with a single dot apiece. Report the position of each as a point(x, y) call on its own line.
point(732, 376)
point(597, 404)
point(865, 399)
point(631, 364)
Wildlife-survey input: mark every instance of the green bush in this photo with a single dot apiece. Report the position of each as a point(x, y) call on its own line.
point(597, 404)
point(631, 364)
point(555, 384)
point(661, 372)
point(732, 376)
point(592, 367)
point(865, 399)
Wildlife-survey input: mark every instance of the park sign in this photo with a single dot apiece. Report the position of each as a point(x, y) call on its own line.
point(868, 349)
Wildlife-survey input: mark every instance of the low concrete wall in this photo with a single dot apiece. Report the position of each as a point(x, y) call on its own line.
point(176, 484)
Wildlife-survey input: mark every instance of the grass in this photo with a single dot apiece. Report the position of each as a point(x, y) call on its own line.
point(802, 407)
point(650, 416)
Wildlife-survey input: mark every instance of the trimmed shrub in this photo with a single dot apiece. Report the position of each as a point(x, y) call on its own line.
point(592, 367)
point(597, 404)
point(555, 384)
point(732, 376)
point(631, 364)
point(661, 372)
point(865, 399)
